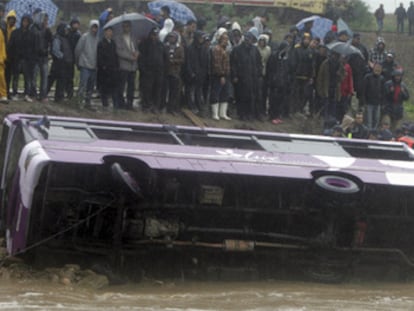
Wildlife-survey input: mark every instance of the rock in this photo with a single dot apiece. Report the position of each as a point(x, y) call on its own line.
point(5, 274)
point(158, 283)
point(3, 253)
point(10, 260)
point(65, 281)
point(72, 267)
point(54, 278)
point(94, 281)
point(20, 270)
point(70, 272)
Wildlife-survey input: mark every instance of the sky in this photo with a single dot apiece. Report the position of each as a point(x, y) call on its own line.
point(389, 5)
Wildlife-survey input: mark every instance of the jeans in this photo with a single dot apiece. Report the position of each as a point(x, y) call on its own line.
point(219, 93)
point(373, 113)
point(28, 69)
point(330, 106)
point(400, 26)
point(380, 24)
point(195, 97)
point(12, 76)
point(43, 67)
point(86, 84)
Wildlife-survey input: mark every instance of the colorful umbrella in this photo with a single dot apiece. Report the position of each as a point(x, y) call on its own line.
point(321, 25)
point(344, 26)
point(29, 6)
point(178, 11)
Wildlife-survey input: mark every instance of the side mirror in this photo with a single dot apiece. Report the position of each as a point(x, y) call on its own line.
point(125, 181)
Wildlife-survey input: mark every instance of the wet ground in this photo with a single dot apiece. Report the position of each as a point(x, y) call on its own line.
point(266, 295)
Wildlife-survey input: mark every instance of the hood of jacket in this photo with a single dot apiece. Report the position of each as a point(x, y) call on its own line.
point(60, 30)
point(94, 22)
point(26, 16)
point(12, 13)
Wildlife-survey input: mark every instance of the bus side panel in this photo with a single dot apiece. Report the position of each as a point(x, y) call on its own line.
point(16, 234)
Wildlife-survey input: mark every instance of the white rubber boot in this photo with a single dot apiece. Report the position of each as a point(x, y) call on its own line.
point(223, 111)
point(215, 111)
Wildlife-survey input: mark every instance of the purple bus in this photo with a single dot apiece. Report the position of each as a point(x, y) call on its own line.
point(193, 198)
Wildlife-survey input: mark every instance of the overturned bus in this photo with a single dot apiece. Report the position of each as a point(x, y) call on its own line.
point(194, 200)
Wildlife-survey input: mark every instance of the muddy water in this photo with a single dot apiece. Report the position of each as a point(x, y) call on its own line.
point(266, 295)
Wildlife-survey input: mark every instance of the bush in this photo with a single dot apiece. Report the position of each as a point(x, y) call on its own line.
point(355, 12)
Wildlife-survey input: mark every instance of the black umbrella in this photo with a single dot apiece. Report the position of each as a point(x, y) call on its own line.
point(140, 25)
point(343, 48)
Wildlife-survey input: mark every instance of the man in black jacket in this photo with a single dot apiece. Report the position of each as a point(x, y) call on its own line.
point(401, 15)
point(246, 68)
point(73, 36)
point(151, 63)
point(410, 17)
point(21, 46)
point(63, 60)
point(373, 96)
point(42, 42)
point(108, 69)
point(196, 73)
point(302, 64)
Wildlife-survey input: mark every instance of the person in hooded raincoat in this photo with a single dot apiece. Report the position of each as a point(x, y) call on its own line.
point(166, 29)
point(21, 46)
point(196, 69)
point(3, 57)
point(152, 65)
point(43, 41)
point(11, 64)
point(63, 59)
point(277, 78)
point(378, 53)
point(246, 68)
point(86, 59)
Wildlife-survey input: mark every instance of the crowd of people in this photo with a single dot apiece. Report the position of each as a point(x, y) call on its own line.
point(237, 71)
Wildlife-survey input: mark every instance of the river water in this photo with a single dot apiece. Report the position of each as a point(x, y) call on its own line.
point(257, 296)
